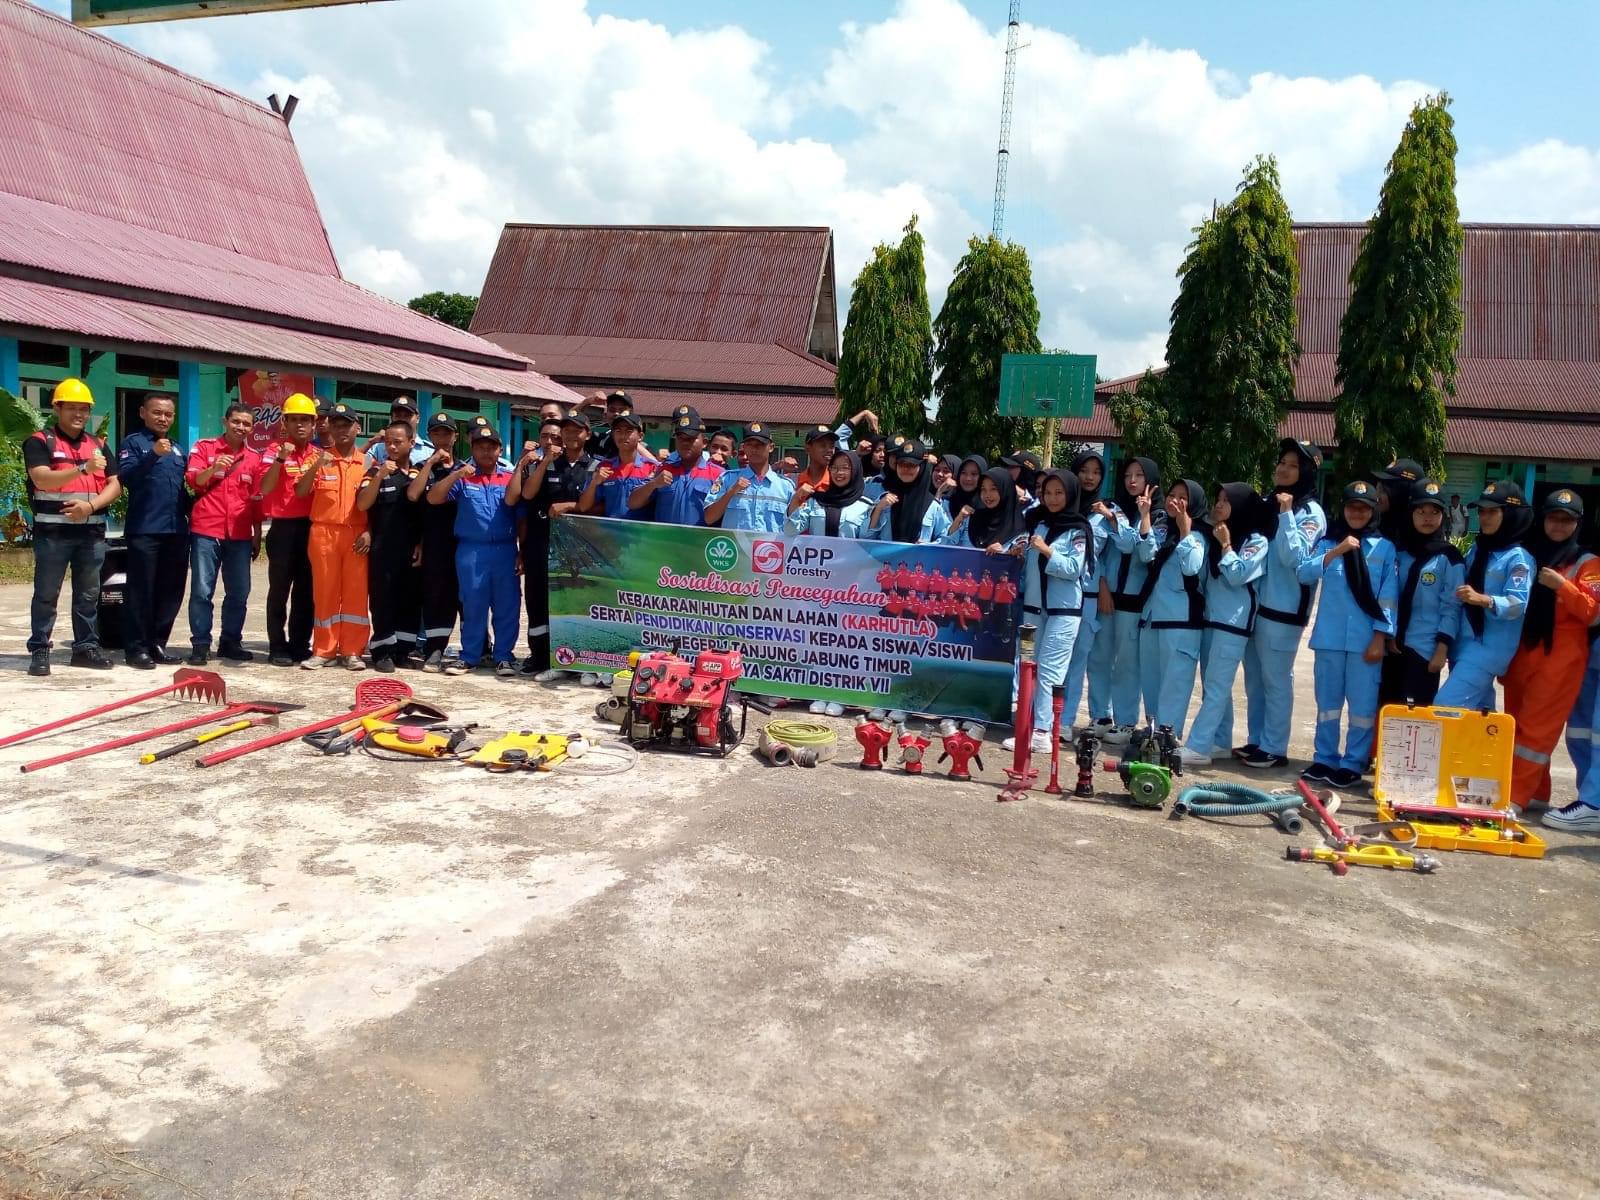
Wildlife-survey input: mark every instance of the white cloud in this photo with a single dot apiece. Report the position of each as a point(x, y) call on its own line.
point(447, 120)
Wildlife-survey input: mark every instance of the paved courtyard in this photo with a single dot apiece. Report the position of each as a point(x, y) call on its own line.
point(297, 976)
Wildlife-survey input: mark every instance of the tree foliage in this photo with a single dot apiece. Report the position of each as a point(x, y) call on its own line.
point(886, 363)
point(989, 310)
point(1231, 351)
point(1399, 336)
point(1147, 432)
point(452, 308)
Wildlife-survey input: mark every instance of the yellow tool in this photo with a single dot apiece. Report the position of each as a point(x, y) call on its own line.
point(521, 751)
point(414, 740)
point(1364, 856)
point(199, 740)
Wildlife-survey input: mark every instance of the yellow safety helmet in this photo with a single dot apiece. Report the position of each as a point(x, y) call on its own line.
point(299, 405)
point(72, 391)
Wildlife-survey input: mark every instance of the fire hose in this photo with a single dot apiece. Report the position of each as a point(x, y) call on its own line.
point(803, 743)
point(1221, 799)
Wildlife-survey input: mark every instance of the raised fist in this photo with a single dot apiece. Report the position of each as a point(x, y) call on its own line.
point(163, 447)
point(97, 463)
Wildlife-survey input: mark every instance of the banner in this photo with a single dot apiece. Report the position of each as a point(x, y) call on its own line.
point(927, 629)
point(265, 392)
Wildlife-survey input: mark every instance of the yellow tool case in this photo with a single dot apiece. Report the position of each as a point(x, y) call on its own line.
point(1447, 771)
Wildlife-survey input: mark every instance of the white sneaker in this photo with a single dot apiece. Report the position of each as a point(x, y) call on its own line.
point(1119, 735)
point(1574, 818)
point(1040, 743)
point(819, 708)
point(834, 709)
point(434, 663)
point(314, 663)
point(589, 679)
point(355, 663)
point(1193, 758)
point(456, 667)
point(548, 676)
point(896, 717)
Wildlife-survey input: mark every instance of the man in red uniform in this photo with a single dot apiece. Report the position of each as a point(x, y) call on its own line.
point(289, 604)
point(225, 534)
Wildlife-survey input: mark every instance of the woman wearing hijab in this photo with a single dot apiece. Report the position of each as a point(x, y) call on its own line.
point(1429, 616)
point(906, 512)
point(1354, 622)
point(838, 509)
point(1546, 672)
point(1090, 469)
point(1236, 532)
point(1173, 604)
point(996, 521)
point(1494, 598)
point(1059, 555)
point(1138, 513)
point(945, 467)
point(968, 478)
point(1285, 606)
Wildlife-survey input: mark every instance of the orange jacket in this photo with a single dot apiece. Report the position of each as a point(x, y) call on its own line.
point(333, 496)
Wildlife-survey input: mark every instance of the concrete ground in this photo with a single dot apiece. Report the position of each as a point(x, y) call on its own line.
point(307, 977)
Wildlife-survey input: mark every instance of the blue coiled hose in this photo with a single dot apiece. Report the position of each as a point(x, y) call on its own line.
point(1239, 800)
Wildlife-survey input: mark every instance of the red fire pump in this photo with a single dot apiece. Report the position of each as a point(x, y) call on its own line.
point(679, 704)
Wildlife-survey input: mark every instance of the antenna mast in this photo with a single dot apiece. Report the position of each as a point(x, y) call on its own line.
point(1004, 156)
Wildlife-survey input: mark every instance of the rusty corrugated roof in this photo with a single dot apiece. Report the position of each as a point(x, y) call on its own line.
point(605, 359)
point(736, 407)
point(682, 283)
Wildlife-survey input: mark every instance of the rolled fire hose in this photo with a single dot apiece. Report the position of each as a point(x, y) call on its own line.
point(1239, 800)
point(804, 743)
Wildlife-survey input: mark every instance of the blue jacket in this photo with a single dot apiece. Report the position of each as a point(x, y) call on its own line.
point(811, 517)
point(1231, 595)
point(481, 511)
point(1124, 567)
point(156, 500)
point(1435, 611)
point(1063, 570)
point(1507, 581)
point(1286, 601)
point(1340, 624)
point(935, 525)
point(763, 507)
point(1177, 601)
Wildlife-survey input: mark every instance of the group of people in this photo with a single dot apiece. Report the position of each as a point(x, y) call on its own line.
point(1130, 593)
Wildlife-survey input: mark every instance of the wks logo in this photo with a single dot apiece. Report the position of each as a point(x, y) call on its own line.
point(767, 557)
point(722, 553)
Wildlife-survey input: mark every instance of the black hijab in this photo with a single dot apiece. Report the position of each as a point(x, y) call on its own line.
point(1168, 535)
point(1356, 574)
point(1515, 523)
point(1001, 523)
point(961, 498)
point(1539, 622)
point(1158, 499)
point(1247, 516)
point(1057, 523)
point(1423, 549)
point(1078, 460)
point(912, 499)
point(833, 498)
point(1305, 487)
point(952, 463)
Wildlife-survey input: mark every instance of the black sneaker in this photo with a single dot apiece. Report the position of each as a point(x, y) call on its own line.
point(1259, 759)
point(529, 666)
point(1344, 778)
point(407, 662)
point(1318, 773)
point(91, 660)
point(198, 657)
point(1246, 752)
point(383, 666)
point(281, 660)
point(141, 661)
point(39, 663)
point(235, 654)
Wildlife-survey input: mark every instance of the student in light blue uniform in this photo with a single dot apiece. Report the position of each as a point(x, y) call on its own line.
point(1116, 655)
point(1090, 469)
point(1060, 552)
point(1494, 598)
point(1581, 731)
point(838, 509)
point(1429, 615)
point(751, 497)
point(1355, 619)
point(995, 522)
point(1285, 608)
point(1236, 557)
point(968, 479)
point(906, 510)
point(1175, 606)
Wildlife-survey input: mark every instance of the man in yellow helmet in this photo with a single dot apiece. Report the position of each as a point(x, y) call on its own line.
point(71, 483)
point(289, 598)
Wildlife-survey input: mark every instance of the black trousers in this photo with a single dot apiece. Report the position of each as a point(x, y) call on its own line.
point(1413, 681)
point(536, 593)
point(289, 607)
point(158, 572)
point(394, 600)
point(1392, 679)
point(441, 594)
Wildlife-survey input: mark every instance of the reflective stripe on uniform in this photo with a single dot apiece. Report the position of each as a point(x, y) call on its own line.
point(345, 618)
point(1362, 722)
point(537, 630)
point(1530, 755)
point(438, 631)
point(63, 519)
point(1332, 714)
point(380, 643)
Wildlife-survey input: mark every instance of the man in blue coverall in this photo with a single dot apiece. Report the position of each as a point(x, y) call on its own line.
point(754, 496)
point(151, 465)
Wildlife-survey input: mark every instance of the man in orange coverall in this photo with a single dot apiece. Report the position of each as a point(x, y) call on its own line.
point(338, 548)
point(1546, 674)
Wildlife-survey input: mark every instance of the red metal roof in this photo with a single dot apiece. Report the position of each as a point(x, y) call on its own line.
point(26, 306)
point(607, 360)
point(676, 282)
point(737, 407)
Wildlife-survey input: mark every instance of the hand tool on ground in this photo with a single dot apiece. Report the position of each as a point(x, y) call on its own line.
point(133, 739)
point(1391, 857)
point(1057, 704)
point(374, 698)
point(269, 720)
point(913, 746)
point(962, 745)
point(1380, 844)
point(1022, 773)
point(874, 737)
point(342, 738)
point(1240, 800)
point(433, 742)
point(524, 750)
point(187, 684)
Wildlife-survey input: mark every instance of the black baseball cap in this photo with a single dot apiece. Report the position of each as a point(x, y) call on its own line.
point(1564, 500)
point(1500, 493)
point(628, 418)
point(820, 433)
point(405, 402)
point(1306, 450)
point(441, 421)
point(1401, 470)
point(757, 432)
point(1427, 491)
point(576, 418)
point(620, 397)
point(910, 448)
point(342, 412)
point(484, 433)
point(686, 419)
point(1361, 492)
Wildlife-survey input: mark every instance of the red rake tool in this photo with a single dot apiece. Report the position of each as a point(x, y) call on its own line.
point(187, 684)
point(132, 739)
point(374, 698)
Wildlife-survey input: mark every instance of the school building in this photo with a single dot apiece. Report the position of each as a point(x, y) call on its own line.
point(1527, 403)
point(741, 322)
point(158, 233)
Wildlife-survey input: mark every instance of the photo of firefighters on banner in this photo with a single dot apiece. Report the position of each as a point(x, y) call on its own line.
point(923, 628)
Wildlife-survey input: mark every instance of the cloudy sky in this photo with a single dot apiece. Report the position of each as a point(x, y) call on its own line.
point(427, 124)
